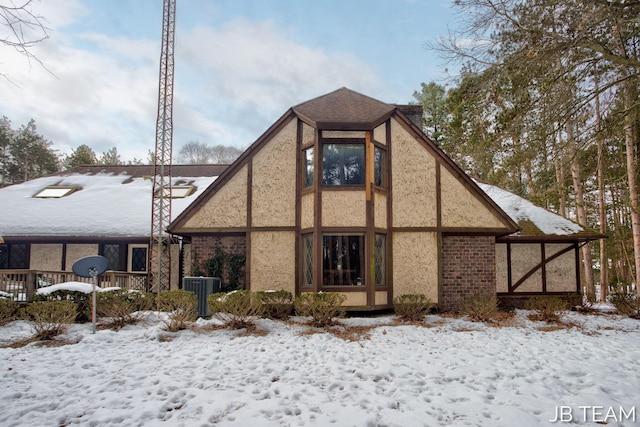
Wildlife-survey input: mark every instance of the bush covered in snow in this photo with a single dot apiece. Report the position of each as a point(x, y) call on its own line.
point(412, 307)
point(123, 307)
point(547, 308)
point(236, 309)
point(8, 310)
point(322, 307)
point(50, 318)
point(480, 308)
point(277, 304)
point(181, 305)
point(626, 304)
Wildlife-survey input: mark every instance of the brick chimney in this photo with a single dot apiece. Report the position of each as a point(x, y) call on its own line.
point(413, 112)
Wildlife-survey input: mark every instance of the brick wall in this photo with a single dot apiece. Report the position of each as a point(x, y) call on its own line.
point(468, 269)
point(203, 248)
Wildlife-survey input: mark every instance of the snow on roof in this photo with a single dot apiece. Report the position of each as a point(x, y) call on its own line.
point(532, 219)
point(106, 205)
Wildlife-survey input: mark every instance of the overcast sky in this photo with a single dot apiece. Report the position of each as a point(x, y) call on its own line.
point(239, 65)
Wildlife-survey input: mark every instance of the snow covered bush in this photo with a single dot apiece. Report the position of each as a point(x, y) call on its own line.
point(322, 307)
point(236, 309)
point(123, 307)
point(81, 301)
point(8, 310)
point(547, 308)
point(626, 304)
point(480, 308)
point(181, 305)
point(412, 307)
point(277, 304)
point(50, 318)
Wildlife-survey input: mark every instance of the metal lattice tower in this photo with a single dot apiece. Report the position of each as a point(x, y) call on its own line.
point(160, 245)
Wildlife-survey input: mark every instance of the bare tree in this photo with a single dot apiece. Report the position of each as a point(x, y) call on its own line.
point(196, 152)
point(22, 28)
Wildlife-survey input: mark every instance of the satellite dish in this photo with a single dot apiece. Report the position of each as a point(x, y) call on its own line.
point(90, 266)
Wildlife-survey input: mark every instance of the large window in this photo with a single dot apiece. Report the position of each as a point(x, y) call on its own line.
point(343, 164)
point(112, 252)
point(342, 260)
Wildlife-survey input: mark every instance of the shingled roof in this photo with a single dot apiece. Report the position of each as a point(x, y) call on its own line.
point(344, 109)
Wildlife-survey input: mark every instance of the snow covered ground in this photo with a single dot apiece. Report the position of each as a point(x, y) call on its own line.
point(450, 372)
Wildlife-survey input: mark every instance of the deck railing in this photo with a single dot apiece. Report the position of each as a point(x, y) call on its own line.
point(21, 284)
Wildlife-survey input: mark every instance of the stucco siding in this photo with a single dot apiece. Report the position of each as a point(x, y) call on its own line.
point(380, 134)
point(461, 208)
point(380, 210)
point(46, 256)
point(355, 299)
point(415, 264)
point(273, 197)
point(307, 211)
point(524, 257)
point(561, 272)
point(502, 273)
point(413, 176)
point(381, 297)
point(226, 208)
point(272, 260)
point(77, 251)
point(344, 209)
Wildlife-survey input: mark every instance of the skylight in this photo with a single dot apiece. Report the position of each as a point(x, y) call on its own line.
point(182, 191)
point(56, 191)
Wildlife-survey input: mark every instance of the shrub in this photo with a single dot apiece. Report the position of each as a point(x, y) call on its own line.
point(50, 318)
point(277, 304)
point(412, 307)
point(235, 309)
point(123, 307)
point(181, 305)
point(626, 304)
point(547, 308)
point(480, 308)
point(8, 310)
point(81, 301)
point(322, 307)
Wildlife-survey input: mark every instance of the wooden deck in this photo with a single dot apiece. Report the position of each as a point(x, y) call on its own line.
point(23, 283)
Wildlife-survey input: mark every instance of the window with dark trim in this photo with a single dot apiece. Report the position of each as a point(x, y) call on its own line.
point(379, 166)
point(343, 164)
point(380, 258)
point(113, 253)
point(342, 260)
point(138, 255)
point(307, 260)
point(307, 167)
point(14, 256)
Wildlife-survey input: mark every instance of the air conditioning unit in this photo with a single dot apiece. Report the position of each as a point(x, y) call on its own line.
point(202, 287)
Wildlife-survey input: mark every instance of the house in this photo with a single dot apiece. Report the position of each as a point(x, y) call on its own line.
point(48, 223)
point(342, 193)
point(345, 193)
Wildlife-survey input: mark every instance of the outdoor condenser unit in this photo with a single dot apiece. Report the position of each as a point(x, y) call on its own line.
point(202, 287)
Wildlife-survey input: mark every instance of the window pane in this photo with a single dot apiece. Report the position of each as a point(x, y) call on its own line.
point(342, 260)
point(343, 164)
point(112, 253)
point(308, 167)
point(139, 259)
point(379, 165)
point(380, 259)
point(307, 260)
point(14, 256)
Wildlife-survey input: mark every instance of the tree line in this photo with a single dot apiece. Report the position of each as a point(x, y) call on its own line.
point(547, 106)
point(25, 154)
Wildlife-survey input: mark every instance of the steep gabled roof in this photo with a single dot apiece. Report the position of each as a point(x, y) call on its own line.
point(344, 109)
point(109, 202)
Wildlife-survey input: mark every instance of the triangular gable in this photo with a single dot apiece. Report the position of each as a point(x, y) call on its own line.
point(462, 201)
